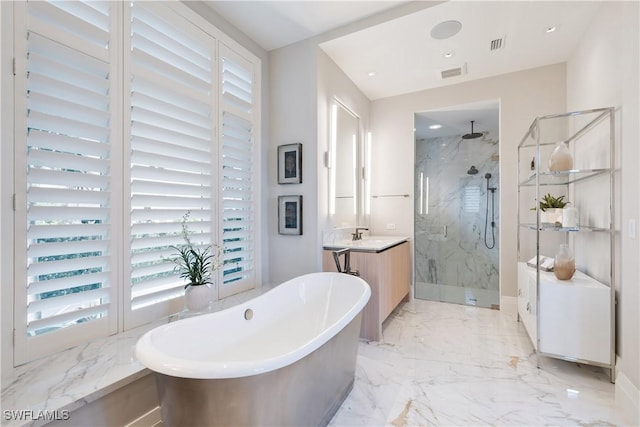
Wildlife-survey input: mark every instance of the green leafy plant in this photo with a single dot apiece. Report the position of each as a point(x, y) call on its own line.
point(550, 202)
point(195, 264)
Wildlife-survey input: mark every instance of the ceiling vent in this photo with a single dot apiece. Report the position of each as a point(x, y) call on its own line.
point(453, 72)
point(497, 44)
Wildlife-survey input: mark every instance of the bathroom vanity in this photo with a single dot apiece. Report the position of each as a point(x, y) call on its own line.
point(384, 262)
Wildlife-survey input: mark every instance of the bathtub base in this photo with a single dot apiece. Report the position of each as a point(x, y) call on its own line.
point(305, 393)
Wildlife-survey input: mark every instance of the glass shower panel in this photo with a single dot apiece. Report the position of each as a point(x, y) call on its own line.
point(456, 220)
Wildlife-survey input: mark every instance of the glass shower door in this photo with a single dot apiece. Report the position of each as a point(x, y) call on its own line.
point(456, 218)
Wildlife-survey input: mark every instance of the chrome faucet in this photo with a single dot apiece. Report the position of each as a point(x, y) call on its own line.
point(358, 234)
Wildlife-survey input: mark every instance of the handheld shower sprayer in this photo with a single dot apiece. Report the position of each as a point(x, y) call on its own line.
point(487, 176)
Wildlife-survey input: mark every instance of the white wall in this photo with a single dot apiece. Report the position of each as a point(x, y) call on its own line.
point(293, 118)
point(523, 96)
point(603, 72)
point(303, 82)
point(6, 188)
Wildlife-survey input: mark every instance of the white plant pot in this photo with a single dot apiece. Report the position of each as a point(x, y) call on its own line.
point(197, 298)
point(551, 216)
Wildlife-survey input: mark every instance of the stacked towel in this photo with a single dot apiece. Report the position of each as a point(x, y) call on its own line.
point(546, 263)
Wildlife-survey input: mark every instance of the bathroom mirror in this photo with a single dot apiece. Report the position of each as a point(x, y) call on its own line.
point(345, 204)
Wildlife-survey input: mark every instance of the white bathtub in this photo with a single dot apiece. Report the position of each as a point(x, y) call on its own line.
point(292, 362)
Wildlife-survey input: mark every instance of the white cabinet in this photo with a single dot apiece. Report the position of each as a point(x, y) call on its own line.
point(527, 301)
point(575, 315)
point(569, 319)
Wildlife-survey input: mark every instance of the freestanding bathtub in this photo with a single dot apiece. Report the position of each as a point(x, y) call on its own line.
point(286, 357)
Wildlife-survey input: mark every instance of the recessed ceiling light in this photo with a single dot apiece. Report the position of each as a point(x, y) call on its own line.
point(435, 126)
point(446, 29)
point(449, 54)
point(551, 29)
point(371, 73)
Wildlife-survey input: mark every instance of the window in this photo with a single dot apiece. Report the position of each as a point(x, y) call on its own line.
point(239, 164)
point(64, 177)
point(127, 118)
point(172, 146)
point(471, 200)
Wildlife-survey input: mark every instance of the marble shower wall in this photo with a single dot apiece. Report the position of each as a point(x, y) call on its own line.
point(450, 224)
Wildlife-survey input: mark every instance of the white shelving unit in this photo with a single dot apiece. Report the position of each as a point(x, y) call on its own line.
point(569, 319)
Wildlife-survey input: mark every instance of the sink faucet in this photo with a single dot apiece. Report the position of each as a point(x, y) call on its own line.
point(358, 234)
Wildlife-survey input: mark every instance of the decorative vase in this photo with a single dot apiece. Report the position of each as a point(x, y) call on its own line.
point(197, 297)
point(560, 159)
point(564, 265)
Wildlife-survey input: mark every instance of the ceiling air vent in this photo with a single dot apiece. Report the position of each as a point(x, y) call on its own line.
point(497, 44)
point(453, 72)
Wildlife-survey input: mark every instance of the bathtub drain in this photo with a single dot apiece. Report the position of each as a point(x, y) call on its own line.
point(248, 314)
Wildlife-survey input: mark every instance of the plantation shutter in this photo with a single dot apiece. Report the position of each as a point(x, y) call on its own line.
point(63, 162)
point(172, 90)
point(238, 164)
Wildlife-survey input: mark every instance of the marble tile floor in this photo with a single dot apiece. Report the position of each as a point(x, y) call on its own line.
point(487, 298)
point(456, 365)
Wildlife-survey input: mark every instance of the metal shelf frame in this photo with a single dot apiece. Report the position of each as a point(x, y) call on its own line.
point(540, 179)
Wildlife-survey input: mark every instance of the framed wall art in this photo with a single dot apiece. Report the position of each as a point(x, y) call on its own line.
point(290, 164)
point(290, 215)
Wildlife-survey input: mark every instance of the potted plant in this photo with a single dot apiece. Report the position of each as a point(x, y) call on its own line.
point(551, 209)
point(195, 265)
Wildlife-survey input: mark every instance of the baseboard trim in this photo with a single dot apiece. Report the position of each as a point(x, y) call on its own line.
point(509, 305)
point(627, 396)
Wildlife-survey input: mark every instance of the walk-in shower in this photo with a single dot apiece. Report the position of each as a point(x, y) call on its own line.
point(457, 215)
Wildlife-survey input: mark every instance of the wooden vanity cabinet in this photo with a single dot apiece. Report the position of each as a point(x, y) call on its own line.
point(388, 273)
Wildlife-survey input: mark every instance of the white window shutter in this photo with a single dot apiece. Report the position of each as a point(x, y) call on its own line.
point(126, 118)
point(171, 72)
point(64, 162)
point(239, 169)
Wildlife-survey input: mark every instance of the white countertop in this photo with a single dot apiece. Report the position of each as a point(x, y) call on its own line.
point(368, 243)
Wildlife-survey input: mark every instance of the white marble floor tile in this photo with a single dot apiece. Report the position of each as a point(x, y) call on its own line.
point(446, 364)
point(458, 294)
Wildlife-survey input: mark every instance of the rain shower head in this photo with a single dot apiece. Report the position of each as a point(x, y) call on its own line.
point(487, 175)
point(472, 135)
point(472, 170)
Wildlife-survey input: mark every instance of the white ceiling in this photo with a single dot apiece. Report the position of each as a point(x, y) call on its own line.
point(274, 24)
point(403, 55)
point(406, 59)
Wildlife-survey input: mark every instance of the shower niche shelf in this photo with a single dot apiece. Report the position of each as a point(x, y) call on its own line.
point(571, 319)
